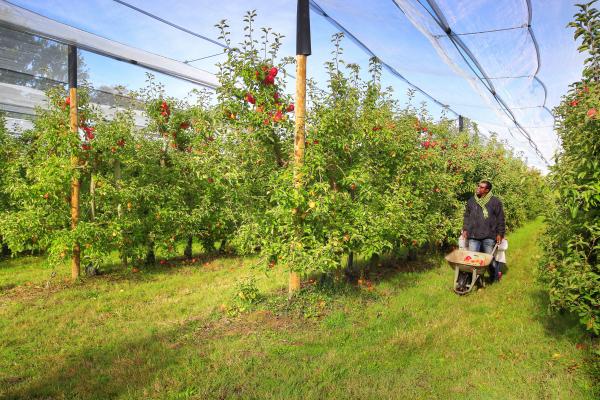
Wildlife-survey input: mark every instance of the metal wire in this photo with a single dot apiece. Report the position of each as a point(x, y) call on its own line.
point(179, 27)
point(489, 31)
point(439, 18)
point(316, 8)
point(203, 58)
point(473, 63)
point(164, 21)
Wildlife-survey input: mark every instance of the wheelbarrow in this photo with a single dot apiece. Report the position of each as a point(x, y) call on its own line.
point(469, 268)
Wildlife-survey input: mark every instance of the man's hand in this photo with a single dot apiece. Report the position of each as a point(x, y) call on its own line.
point(499, 239)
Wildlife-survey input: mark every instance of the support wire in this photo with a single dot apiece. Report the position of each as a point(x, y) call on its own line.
point(316, 8)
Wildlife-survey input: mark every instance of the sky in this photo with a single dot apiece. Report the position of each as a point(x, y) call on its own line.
point(400, 32)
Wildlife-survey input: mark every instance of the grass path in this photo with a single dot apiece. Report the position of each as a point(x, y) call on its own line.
point(158, 334)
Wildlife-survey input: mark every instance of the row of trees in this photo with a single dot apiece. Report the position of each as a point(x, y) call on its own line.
point(378, 177)
point(571, 267)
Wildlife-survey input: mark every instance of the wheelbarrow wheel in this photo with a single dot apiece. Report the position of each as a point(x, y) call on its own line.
point(463, 280)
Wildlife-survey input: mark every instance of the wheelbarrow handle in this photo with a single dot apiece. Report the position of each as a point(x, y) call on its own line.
point(494, 251)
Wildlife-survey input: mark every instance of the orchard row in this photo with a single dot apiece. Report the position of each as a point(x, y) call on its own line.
point(378, 177)
point(571, 267)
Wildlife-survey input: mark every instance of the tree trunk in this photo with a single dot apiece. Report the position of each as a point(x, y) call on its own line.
point(93, 193)
point(350, 261)
point(412, 254)
point(150, 257)
point(187, 253)
point(277, 151)
point(5, 251)
point(117, 173)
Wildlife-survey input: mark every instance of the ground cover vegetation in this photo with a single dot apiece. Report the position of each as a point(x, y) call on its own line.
point(169, 332)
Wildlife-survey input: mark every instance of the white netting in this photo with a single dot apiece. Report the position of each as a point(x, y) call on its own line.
point(495, 39)
point(481, 59)
point(405, 34)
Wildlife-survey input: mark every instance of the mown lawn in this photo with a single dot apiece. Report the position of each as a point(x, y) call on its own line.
point(162, 333)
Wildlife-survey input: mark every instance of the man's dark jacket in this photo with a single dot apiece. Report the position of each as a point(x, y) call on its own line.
point(480, 228)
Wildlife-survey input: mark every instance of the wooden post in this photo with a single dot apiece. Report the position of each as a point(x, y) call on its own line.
point(302, 52)
point(75, 181)
point(299, 139)
point(300, 114)
point(461, 123)
point(117, 176)
point(93, 180)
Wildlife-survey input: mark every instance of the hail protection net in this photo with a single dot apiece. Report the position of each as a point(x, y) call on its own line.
point(29, 66)
point(115, 58)
point(478, 57)
point(475, 58)
point(490, 44)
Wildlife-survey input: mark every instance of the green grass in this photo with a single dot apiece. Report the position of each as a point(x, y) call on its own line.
point(159, 334)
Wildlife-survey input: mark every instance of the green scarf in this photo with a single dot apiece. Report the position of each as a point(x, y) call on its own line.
point(482, 201)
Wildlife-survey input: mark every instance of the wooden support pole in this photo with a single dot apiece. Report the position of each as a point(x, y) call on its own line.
point(93, 182)
point(299, 142)
point(303, 50)
point(300, 114)
point(117, 176)
point(75, 181)
point(461, 123)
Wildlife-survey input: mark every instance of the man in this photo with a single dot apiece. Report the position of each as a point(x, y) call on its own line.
point(483, 223)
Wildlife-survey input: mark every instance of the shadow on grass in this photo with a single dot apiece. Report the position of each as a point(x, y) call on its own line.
point(166, 264)
point(104, 371)
point(565, 324)
point(562, 324)
point(115, 273)
point(324, 293)
point(133, 367)
point(8, 286)
point(388, 267)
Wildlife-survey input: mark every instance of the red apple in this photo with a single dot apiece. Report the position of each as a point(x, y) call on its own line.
point(249, 98)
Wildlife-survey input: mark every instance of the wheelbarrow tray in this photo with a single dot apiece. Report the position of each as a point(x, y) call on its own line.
point(457, 261)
